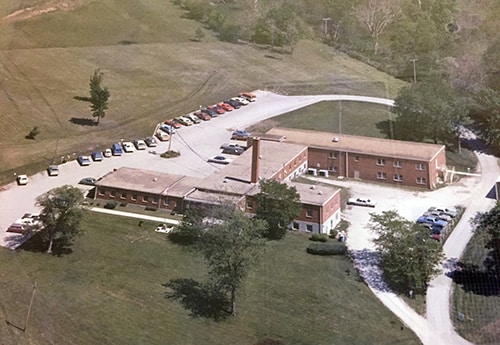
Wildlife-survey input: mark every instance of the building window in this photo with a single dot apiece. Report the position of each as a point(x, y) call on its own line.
point(249, 205)
point(145, 198)
point(381, 175)
point(397, 164)
point(332, 155)
point(112, 194)
point(309, 213)
point(356, 158)
point(295, 226)
point(309, 228)
point(380, 161)
point(419, 166)
point(398, 177)
point(332, 168)
point(123, 195)
point(165, 202)
point(134, 197)
point(101, 191)
point(421, 180)
point(155, 200)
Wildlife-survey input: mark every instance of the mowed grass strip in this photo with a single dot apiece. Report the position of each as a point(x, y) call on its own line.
point(109, 290)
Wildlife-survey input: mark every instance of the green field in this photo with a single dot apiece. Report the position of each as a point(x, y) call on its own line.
point(109, 291)
point(47, 60)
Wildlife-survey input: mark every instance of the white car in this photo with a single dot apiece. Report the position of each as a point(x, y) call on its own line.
point(185, 121)
point(220, 160)
point(128, 146)
point(22, 180)
point(164, 228)
point(107, 153)
point(243, 101)
point(195, 119)
point(140, 144)
point(361, 202)
point(450, 211)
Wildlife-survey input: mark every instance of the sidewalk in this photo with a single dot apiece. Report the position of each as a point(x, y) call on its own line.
point(135, 215)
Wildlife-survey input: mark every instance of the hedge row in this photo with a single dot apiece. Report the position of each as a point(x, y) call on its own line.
point(327, 248)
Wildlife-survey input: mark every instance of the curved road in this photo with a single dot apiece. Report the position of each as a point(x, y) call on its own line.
point(201, 141)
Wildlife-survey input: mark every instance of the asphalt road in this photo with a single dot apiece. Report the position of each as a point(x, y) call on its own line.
point(199, 142)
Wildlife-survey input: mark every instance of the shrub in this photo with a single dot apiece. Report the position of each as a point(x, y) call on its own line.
point(319, 237)
point(123, 204)
point(327, 249)
point(111, 205)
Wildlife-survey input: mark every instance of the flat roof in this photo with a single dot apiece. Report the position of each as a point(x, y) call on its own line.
point(358, 144)
point(139, 180)
point(314, 194)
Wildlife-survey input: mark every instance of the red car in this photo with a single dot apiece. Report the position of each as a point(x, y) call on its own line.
point(217, 109)
point(225, 106)
point(174, 123)
point(203, 116)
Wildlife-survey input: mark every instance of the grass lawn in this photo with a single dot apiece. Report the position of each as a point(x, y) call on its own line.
point(109, 291)
point(481, 313)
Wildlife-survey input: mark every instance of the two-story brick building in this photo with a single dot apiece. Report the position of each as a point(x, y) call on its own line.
point(373, 159)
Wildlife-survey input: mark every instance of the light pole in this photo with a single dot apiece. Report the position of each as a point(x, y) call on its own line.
point(325, 21)
point(414, 70)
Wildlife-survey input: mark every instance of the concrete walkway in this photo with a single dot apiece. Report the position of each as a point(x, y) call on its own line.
point(135, 215)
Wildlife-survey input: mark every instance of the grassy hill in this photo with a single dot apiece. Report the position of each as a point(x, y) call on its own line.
point(152, 68)
point(109, 291)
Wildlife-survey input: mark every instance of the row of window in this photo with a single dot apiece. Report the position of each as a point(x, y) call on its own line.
point(399, 178)
point(134, 196)
point(380, 161)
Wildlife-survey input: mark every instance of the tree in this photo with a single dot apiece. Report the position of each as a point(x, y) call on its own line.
point(199, 34)
point(486, 111)
point(229, 249)
point(99, 95)
point(278, 205)
point(428, 109)
point(491, 63)
point(409, 257)
point(33, 133)
point(376, 15)
point(489, 222)
point(61, 214)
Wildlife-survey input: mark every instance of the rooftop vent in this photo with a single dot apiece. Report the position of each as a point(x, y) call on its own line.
point(155, 179)
point(335, 139)
point(313, 187)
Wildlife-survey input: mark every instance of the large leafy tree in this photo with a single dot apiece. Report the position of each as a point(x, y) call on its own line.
point(486, 112)
point(489, 222)
point(429, 109)
point(230, 248)
point(278, 204)
point(61, 214)
point(409, 257)
point(99, 95)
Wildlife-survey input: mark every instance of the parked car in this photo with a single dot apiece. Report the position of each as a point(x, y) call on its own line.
point(128, 146)
point(217, 109)
point(162, 136)
point(116, 149)
point(438, 215)
point(243, 101)
point(451, 211)
point(250, 96)
point(83, 160)
point(202, 116)
point(184, 120)
point(53, 170)
point(361, 202)
point(22, 180)
point(195, 119)
point(140, 144)
point(169, 129)
point(97, 156)
point(233, 103)
point(432, 220)
point(88, 181)
point(210, 112)
point(107, 153)
point(240, 135)
point(18, 228)
point(233, 149)
point(225, 106)
point(220, 160)
point(151, 141)
point(174, 123)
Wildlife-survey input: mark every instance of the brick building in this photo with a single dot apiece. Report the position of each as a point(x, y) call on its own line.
point(373, 159)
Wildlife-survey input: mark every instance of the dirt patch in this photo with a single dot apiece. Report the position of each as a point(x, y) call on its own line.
point(47, 7)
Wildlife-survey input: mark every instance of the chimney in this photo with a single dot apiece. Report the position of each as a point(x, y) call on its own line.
point(255, 160)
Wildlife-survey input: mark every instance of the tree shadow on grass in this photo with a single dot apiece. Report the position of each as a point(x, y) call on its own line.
point(37, 244)
point(82, 121)
point(202, 300)
point(477, 281)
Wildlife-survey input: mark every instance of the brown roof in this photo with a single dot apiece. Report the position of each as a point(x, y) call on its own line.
point(314, 194)
point(139, 180)
point(359, 144)
point(182, 187)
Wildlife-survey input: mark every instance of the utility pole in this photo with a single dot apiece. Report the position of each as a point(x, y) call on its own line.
point(325, 21)
point(414, 70)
